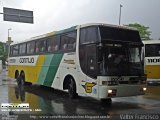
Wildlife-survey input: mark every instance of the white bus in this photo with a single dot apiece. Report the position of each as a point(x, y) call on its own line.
point(152, 61)
point(96, 60)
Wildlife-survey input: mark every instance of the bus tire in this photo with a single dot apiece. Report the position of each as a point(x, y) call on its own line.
point(16, 74)
point(72, 88)
point(21, 79)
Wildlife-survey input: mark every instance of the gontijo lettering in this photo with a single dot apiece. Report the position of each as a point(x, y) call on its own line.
point(26, 60)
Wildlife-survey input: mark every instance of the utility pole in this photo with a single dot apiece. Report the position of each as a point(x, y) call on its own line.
point(120, 14)
point(9, 42)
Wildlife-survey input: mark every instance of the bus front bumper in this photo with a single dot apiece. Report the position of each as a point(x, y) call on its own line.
point(121, 91)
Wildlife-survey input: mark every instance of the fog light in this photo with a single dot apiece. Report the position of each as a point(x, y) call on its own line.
point(144, 89)
point(112, 93)
point(109, 91)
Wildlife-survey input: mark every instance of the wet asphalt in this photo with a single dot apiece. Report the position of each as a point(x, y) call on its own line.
point(50, 103)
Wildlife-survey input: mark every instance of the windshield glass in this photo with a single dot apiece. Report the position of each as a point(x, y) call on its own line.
point(152, 50)
point(118, 34)
point(116, 59)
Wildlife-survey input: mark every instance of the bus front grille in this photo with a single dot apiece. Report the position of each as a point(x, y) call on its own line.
point(129, 82)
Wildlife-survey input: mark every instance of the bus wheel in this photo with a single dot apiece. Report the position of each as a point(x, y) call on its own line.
point(72, 88)
point(16, 74)
point(21, 80)
point(107, 101)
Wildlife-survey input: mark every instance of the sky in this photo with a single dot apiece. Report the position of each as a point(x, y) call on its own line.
point(53, 15)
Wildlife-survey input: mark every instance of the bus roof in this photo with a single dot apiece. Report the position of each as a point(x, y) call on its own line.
point(151, 41)
point(72, 29)
point(47, 35)
point(108, 25)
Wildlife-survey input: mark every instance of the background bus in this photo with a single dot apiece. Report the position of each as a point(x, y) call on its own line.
point(96, 60)
point(152, 61)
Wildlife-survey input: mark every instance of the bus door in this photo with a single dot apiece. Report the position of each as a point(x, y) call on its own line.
point(91, 61)
point(88, 65)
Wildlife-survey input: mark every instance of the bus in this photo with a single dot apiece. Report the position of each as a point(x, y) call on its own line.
point(97, 60)
point(152, 61)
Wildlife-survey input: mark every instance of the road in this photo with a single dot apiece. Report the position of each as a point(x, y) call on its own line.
point(50, 103)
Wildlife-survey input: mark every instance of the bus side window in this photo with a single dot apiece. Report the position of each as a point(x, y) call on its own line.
point(158, 49)
point(22, 48)
point(30, 47)
point(41, 46)
point(49, 48)
point(53, 43)
point(88, 35)
point(65, 47)
point(68, 41)
point(56, 47)
point(152, 50)
point(15, 49)
point(37, 49)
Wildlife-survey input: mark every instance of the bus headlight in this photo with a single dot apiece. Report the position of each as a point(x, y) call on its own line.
point(109, 91)
point(112, 92)
point(144, 89)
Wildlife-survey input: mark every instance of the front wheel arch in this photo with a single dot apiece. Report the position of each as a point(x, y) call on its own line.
point(70, 84)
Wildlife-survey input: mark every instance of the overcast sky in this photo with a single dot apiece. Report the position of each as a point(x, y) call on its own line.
point(53, 15)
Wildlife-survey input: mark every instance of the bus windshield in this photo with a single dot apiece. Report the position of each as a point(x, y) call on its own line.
point(152, 50)
point(109, 34)
point(120, 52)
point(120, 60)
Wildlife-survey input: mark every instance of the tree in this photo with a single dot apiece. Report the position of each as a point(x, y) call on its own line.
point(143, 30)
point(3, 53)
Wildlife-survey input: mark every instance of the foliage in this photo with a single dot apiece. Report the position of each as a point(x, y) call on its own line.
point(143, 30)
point(3, 53)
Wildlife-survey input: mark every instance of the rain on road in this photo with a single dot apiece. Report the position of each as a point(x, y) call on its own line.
point(48, 101)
